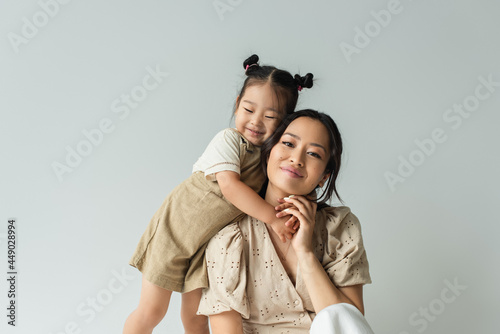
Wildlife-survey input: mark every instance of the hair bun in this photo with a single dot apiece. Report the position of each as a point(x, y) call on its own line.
point(305, 81)
point(251, 62)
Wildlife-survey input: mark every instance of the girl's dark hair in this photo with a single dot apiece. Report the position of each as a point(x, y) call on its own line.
point(285, 86)
point(335, 150)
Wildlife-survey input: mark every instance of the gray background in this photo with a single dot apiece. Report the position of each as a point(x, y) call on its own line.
point(75, 235)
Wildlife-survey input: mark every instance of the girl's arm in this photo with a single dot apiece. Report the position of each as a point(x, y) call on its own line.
point(322, 291)
point(244, 198)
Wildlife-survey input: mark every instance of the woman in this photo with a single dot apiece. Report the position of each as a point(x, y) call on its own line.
point(261, 285)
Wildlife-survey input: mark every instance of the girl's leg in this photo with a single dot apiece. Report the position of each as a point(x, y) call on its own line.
point(153, 305)
point(229, 322)
point(192, 322)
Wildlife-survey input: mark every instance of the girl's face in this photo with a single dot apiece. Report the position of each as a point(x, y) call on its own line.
point(297, 163)
point(257, 114)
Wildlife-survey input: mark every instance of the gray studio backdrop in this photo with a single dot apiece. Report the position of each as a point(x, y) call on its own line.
point(105, 106)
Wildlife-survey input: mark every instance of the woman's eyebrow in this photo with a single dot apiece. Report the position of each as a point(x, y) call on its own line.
point(292, 135)
point(255, 104)
point(312, 144)
point(320, 146)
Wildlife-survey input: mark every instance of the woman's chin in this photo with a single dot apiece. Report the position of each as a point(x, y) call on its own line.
point(288, 189)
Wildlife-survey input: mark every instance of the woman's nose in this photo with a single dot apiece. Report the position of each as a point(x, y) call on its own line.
point(297, 159)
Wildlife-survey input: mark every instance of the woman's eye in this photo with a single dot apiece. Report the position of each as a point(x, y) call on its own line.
point(287, 143)
point(316, 155)
point(270, 117)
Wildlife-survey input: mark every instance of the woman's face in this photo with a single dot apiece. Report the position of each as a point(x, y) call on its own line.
point(298, 161)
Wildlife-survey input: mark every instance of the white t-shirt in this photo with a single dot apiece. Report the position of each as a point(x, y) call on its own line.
point(221, 154)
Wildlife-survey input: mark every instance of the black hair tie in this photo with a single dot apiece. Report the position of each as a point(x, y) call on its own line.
point(251, 62)
point(304, 82)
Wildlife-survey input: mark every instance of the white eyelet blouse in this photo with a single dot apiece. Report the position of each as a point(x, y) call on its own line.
point(246, 275)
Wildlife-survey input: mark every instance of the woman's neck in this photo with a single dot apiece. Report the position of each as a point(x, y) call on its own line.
point(272, 195)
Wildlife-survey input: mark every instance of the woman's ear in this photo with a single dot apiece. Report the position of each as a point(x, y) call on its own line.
point(323, 179)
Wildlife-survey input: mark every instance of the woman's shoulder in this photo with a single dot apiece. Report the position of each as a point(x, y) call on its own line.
point(336, 214)
point(233, 231)
point(340, 246)
point(338, 219)
point(230, 231)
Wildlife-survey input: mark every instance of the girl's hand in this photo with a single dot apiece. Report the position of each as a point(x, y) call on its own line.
point(283, 231)
point(305, 211)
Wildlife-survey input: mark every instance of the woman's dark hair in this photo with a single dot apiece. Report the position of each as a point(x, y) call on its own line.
point(285, 86)
point(335, 149)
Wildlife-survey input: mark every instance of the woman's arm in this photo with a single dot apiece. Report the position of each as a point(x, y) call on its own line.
point(227, 276)
point(244, 198)
point(322, 291)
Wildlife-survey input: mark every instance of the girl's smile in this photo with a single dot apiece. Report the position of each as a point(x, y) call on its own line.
point(257, 114)
point(255, 133)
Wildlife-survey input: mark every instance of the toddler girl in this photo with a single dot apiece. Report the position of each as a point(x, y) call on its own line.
point(222, 188)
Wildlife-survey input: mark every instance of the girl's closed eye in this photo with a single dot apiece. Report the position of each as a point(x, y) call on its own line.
point(248, 110)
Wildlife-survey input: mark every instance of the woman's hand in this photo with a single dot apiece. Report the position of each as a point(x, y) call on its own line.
point(321, 289)
point(305, 212)
point(292, 221)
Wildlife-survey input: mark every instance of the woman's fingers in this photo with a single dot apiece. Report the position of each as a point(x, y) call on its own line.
point(283, 213)
point(296, 205)
point(305, 207)
point(300, 209)
point(296, 213)
point(283, 206)
point(297, 199)
point(302, 204)
point(302, 239)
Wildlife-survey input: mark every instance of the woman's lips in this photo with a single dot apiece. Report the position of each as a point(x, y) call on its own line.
point(292, 172)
